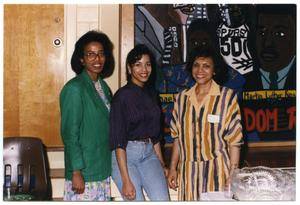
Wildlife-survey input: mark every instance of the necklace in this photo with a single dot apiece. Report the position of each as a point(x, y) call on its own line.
point(102, 94)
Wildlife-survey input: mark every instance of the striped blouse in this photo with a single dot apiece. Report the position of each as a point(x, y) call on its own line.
point(205, 132)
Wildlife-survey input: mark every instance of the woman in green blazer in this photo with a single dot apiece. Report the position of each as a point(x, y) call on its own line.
point(85, 104)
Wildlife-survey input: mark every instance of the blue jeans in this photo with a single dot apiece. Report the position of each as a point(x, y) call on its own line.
point(145, 172)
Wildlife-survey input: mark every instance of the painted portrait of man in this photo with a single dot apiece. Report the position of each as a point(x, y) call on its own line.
point(269, 97)
point(275, 46)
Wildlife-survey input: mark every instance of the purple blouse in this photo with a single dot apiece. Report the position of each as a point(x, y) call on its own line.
point(134, 114)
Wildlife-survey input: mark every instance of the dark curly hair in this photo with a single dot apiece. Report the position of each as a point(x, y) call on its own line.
point(220, 67)
point(136, 54)
point(93, 36)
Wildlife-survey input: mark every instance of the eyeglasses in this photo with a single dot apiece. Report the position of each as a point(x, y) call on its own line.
point(92, 55)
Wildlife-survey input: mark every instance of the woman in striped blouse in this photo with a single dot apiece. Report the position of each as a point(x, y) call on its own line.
point(207, 131)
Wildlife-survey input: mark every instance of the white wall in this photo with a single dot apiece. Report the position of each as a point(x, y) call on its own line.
point(56, 161)
point(81, 18)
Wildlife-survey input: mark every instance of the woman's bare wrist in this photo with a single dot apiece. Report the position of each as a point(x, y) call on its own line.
point(76, 172)
point(234, 166)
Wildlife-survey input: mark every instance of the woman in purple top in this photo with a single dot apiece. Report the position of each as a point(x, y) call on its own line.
point(137, 161)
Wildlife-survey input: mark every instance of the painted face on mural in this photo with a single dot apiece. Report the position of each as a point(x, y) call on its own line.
point(203, 70)
point(236, 15)
point(275, 41)
point(199, 39)
point(140, 71)
point(187, 9)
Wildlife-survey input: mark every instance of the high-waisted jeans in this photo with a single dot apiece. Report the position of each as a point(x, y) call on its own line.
point(145, 172)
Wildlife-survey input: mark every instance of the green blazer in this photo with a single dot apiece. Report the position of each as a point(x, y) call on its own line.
point(84, 128)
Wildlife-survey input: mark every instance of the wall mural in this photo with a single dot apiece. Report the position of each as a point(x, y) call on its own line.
point(257, 43)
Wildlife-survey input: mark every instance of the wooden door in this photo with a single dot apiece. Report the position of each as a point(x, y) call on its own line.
point(34, 71)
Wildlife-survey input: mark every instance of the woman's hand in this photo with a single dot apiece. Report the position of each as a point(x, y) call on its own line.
point(77, 182)
point(227, 189)
point(228, 183)
point(172, 179)
point(128, 190)
point(172, 175)
point(166, 171)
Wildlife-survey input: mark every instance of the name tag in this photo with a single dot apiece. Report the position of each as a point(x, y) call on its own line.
point(213, 118)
